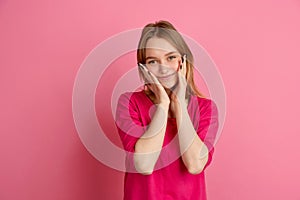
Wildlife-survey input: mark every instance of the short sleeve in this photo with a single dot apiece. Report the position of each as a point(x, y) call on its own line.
point(129, 125)
point(128, 121)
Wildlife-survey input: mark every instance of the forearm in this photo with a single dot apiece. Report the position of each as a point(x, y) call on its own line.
point(148, 147)
point(193, 150)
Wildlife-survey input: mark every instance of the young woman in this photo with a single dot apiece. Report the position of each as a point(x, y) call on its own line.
point(168, 128)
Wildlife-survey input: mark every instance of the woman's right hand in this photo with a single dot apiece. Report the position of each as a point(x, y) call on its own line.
point(155, 86)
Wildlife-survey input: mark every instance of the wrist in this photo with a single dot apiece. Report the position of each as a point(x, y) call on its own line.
point(181, 103)
point(181, 108)
point(163, 105)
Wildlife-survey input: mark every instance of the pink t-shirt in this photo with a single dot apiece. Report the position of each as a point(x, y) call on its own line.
point(170, 178)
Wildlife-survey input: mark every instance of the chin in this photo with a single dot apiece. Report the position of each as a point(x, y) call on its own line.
point(170, 86)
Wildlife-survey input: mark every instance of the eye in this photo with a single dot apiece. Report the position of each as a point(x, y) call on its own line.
point(170, 58)
point(152, 62)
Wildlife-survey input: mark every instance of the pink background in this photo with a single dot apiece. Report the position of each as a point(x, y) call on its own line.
point(255, 45)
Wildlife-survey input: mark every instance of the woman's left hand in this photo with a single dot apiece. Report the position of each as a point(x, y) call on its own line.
point(178, 100)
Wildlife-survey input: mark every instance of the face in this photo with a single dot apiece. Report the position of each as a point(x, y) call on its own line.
point(163, 60)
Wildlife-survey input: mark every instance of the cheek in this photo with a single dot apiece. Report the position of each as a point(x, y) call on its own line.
point(176, 67)
point(153, 69)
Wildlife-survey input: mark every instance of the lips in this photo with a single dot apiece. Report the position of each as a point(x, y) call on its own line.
point(167, 76)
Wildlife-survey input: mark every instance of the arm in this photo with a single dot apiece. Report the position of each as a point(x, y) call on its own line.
point(147, 144)
point(148, 147)
point(196, 155)
point(142, 146)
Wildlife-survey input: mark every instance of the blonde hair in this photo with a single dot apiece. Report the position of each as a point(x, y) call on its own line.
point(165, 30)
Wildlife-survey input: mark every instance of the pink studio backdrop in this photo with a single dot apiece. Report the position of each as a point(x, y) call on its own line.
point(255, 45)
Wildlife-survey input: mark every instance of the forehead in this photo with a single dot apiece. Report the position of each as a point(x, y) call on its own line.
point(158, 45)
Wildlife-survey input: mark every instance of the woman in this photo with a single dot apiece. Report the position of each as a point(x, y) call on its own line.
point(168, 128)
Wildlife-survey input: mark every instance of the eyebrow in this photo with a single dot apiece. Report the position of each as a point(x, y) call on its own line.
point(167, 54)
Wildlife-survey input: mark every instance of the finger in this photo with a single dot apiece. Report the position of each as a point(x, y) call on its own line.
point(154, 85)
point(153, 78)
point(181, 81)
point(182, 71)
point(147, 75)
point(184, 66)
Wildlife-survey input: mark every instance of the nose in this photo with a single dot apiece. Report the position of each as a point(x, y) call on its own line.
point(163, 68)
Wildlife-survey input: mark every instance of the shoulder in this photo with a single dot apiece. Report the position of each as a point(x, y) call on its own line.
point(132, 99)
point(203, 101)
point(135, 102)
point(204, 104)
point(132, 96)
